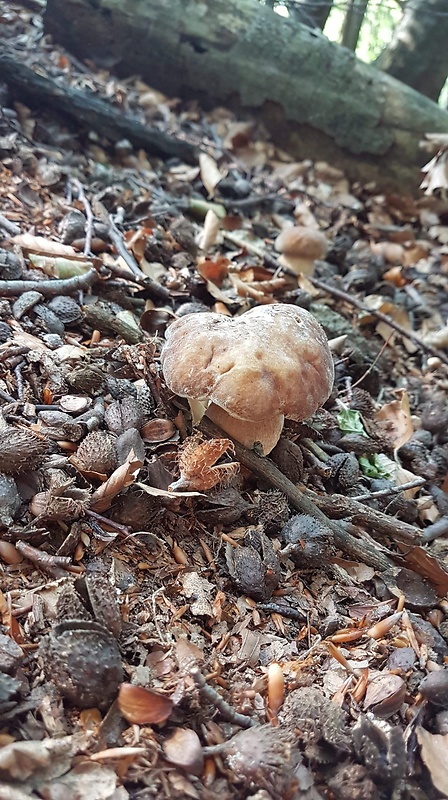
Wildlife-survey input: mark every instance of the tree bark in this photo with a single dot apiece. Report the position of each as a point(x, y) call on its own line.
point(354, 17)
point(315, 97)
point(418, 52)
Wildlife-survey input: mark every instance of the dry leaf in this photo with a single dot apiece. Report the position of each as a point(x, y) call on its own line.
point(45, 247)
point(397, 415)
point(122, 477)
point(210, 174)
point(436, 170)
point(197, 464)
point(183, 748)
point(214, 271)
point(142, 706)
point(60, 267)
point(154, 492)
point(209, 234)
point(434, 752)
point(428, 567)
point(385, 694)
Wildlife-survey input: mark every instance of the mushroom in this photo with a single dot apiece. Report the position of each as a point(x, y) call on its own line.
point(251, 371)
point(300, 247)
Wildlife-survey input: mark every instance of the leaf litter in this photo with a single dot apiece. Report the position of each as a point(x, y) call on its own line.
point(239, 626)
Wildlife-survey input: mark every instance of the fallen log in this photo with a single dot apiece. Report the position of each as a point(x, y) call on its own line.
point(315, 97)
point(89, 110)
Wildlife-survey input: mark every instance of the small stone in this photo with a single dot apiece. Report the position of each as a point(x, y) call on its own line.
point(51, 321)
point(123, 414)
point(87, 378)
point(254, 566)
point(434, 687)
point(309, 543)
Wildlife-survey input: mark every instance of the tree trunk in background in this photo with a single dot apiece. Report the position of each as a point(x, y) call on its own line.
point(418, 52)
point(314, 12)
point(354, 17)
point(316, 98)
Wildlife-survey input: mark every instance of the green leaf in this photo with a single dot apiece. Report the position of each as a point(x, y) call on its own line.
point(349, 421)
point(374, 467)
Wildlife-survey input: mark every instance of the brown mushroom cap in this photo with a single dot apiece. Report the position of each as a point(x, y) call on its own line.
point(300, 242)
point(273, 360)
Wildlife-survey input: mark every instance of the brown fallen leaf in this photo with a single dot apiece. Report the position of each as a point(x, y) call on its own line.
point(141, 706)
point(183, 748)
point(397, 415)
point(122, 477)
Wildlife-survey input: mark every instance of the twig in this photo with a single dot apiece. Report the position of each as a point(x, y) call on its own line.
point(210, 694)
point(19, 380)
point(115, 525)
point(8, 226)
point(369, 518)
point(378, 557)
point(361, 498)
point(50, 288)
point(56, 566)
point(353, 301)
point(89, 215)
point(116, 237)
point(284, 611)
point(7, 397)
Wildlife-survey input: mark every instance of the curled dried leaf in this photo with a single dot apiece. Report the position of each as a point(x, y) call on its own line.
point(122, 477)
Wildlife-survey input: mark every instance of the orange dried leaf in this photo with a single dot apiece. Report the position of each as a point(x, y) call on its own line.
point(214, 271)
point(142, 706)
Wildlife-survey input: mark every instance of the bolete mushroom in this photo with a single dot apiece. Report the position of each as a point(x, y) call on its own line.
point(300, 247)
point(251, 371)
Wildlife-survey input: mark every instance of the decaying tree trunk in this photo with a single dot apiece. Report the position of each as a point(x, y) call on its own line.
point(316, 98)
point(418, 52)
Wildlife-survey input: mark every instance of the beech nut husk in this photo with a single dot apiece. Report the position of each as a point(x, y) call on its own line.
point(96, 453)
point(20, 450)
point(82, 659)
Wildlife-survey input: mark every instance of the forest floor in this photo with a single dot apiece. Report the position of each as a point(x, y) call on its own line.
point(281, 632)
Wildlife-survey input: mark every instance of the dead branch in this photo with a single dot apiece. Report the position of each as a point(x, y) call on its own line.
point(51, 287)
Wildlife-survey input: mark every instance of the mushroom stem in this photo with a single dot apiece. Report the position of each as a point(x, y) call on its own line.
point(301, 266)
point(262, 436)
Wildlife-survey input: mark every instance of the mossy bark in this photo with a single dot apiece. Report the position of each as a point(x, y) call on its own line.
point(316, 98)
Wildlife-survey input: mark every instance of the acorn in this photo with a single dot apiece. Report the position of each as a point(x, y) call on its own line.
point(96, 453)
point(20, 450)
